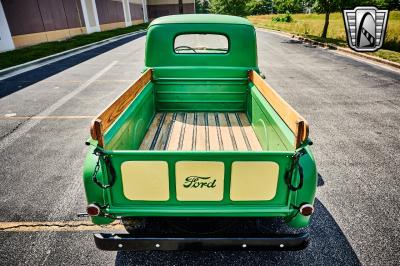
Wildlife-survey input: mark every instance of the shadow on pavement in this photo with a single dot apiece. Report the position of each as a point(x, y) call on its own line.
point(19, 82)
point(320, 181)
point(328, 246)
point(307, 45)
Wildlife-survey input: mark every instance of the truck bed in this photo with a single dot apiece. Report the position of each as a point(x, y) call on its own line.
point(200, 131)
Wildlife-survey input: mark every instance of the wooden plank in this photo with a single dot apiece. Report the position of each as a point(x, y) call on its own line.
point(201, 139)
point(226, 136)
point(293, 120)
point(213, 133)
point(151, 132)
point(175, 134)
point(97, 130)
point(164, 133)
point(188, 134)
point(110, 114)
point(170, 130)
point(200, 131)
point(249, 133)
point(237, 133)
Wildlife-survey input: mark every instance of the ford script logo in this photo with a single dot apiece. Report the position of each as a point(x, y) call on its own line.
point(199, 182)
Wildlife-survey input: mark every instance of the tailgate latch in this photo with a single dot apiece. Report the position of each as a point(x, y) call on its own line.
point(109, 167)
point(295, 165)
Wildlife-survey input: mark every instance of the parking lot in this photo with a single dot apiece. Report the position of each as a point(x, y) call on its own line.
point(353, 109)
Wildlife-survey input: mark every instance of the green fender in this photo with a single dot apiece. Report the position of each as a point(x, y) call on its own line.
point(94, 194)
point(307, 193)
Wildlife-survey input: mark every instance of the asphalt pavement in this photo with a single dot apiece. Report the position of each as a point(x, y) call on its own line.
point(354, 113)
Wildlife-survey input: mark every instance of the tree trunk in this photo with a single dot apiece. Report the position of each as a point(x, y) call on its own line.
point(325, 30)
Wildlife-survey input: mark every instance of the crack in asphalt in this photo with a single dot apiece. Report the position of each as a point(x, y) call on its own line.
point(13, 130)
point(44, 226)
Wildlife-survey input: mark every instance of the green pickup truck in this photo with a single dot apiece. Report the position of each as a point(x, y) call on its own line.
point(200, 135)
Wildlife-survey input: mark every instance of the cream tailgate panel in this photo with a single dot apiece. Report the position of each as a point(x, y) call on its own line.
point(145, 180)
point(199, 181)
point(254, 181)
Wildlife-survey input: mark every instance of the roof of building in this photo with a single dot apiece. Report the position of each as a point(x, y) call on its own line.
point(200, 19)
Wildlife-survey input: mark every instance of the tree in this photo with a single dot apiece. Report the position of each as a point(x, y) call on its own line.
point(327, 7)
point(259, 7)
point(201, 6)
point(228, 7)
point(206, 6)
point(198, 6)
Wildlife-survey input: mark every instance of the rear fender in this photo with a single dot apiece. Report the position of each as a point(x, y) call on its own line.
point(307, 193)
point(94, 194)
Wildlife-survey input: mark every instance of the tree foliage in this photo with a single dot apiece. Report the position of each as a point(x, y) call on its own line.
point(202, 6)
point(259, 7)
point(292, 6)
point(228, 7)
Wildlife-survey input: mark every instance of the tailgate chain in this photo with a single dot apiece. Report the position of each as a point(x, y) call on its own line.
point(110, 170)
point(289, 174)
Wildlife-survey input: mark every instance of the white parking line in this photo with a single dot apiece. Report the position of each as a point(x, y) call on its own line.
point(24, 128)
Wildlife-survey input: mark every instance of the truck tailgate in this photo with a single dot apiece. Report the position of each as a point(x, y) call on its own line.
point(199, 183)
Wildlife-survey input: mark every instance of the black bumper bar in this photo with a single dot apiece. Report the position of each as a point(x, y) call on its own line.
point(130, 242)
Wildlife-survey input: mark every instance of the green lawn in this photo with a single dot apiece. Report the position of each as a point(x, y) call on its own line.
point(19, 56)
point(310, 25)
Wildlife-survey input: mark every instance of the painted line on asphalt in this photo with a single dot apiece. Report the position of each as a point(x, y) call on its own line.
point(65, 226)
point(28, 125)
point(47, 117)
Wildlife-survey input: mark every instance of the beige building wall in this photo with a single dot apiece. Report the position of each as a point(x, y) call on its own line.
point(54, 20)
point(47, 36)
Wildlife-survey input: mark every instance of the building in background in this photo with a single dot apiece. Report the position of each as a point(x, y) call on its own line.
point(159, 8)
point(28, 22)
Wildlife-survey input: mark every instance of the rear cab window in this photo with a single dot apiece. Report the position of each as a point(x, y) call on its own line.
point(201, 43)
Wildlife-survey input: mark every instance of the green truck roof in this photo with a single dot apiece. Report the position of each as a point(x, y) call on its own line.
point(200, 19)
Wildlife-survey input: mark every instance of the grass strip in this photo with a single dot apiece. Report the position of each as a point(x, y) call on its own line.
point(310, 26)
point(23, 55)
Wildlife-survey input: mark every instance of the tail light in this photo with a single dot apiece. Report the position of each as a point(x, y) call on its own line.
point(306, 209)
point(93, 210)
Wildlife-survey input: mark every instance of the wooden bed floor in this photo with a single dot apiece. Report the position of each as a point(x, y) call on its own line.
point(200, 131)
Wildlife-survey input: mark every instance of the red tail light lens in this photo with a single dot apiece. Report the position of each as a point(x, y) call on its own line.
point(306, 209)
point(93, 210)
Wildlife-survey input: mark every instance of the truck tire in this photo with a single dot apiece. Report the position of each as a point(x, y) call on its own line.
point(134, 225)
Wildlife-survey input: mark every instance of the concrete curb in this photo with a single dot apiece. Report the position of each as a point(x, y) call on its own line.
point(338, 48)
point(18, 69)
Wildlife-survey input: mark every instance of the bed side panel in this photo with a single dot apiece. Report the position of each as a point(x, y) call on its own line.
point(128, 131)
point(271, 131)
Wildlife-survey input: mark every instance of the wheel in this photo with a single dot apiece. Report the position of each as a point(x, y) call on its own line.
point(134, 225)
point(197, 225)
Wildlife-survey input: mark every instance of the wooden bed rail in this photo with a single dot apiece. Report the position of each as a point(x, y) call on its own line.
point(105, 119)
point(297, 124)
